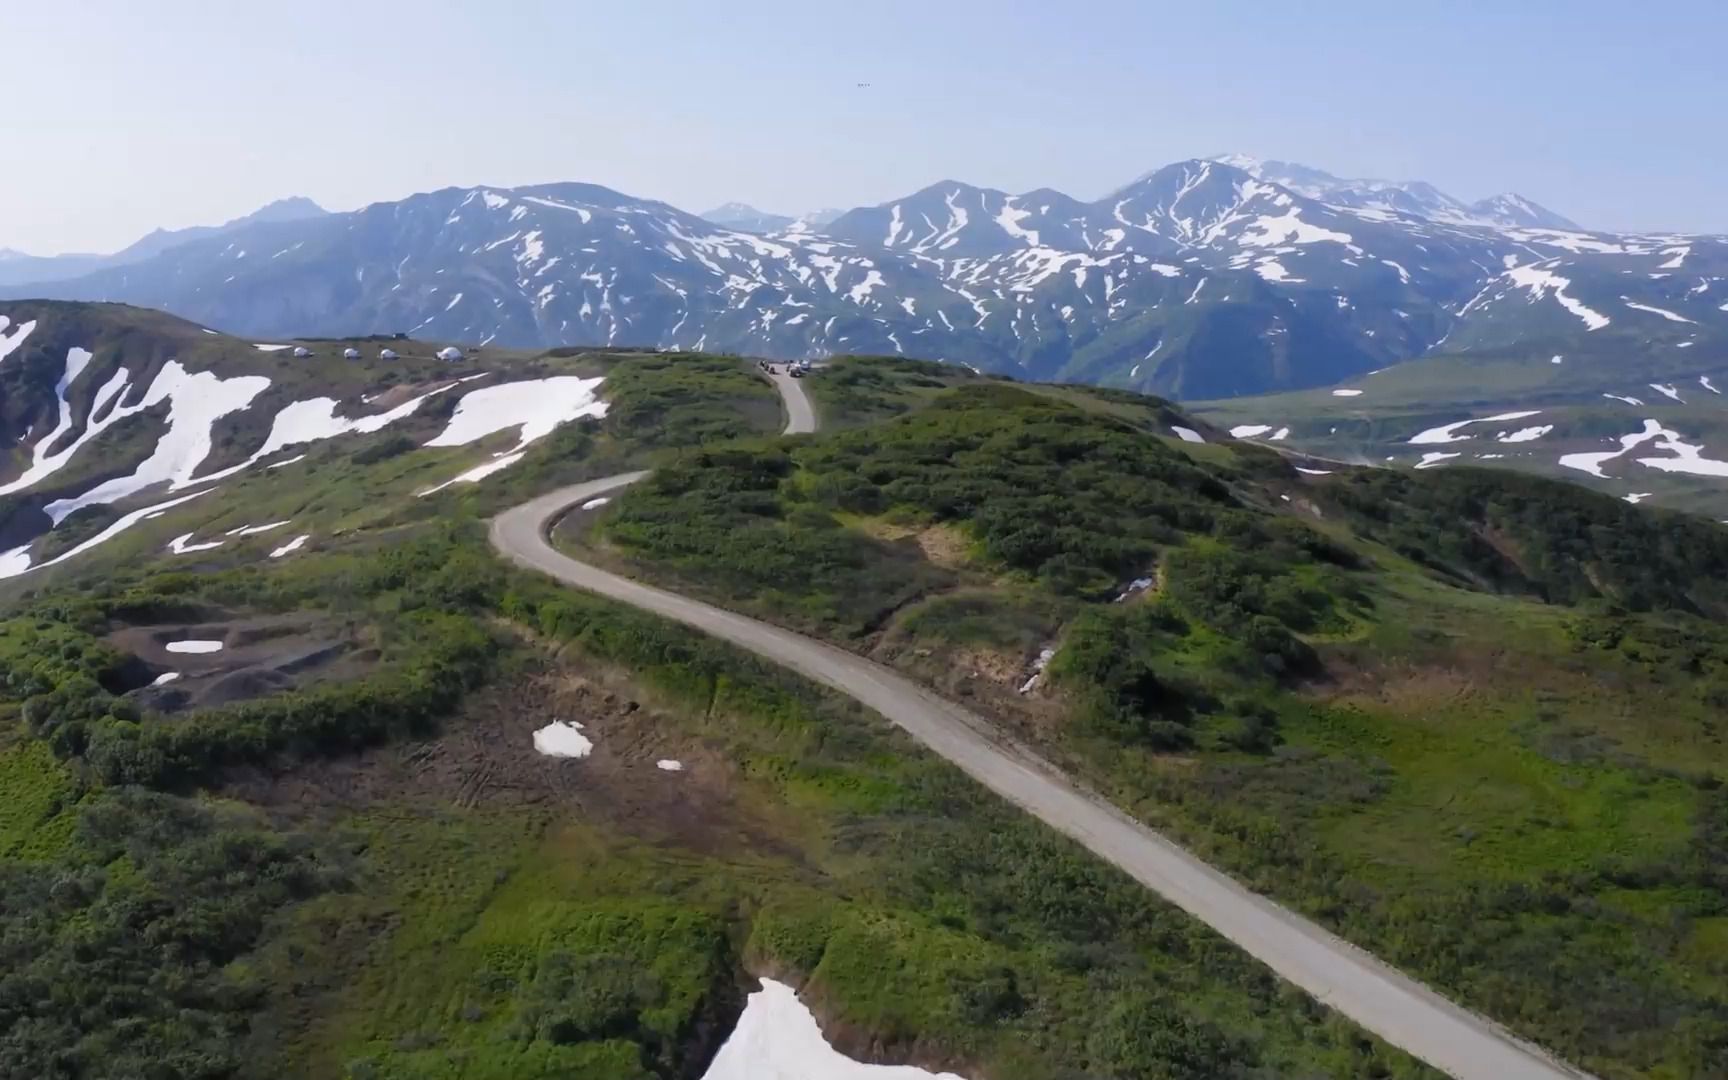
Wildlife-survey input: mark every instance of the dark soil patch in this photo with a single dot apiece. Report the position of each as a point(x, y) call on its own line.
point(485, 758)
point(260, 655)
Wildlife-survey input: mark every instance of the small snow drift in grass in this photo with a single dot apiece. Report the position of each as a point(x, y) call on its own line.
point(288, 461)
point(1434, 458)
point(1623, 397)
point(1667, 391)
point(183, 544)
point(1314, 472)
point(477, 473)
point(1248, 431)
point(14, 562)
point(271, 348)
point(17, 561)
point(1526, 434)
point(560, 739)
point(1687, 458)
point(291, 546)
point(777, 1038)
point(595, 504)
point(194, 645)
point(253, 530)
point(1704, 381)
point(1636, 497)
point(1186, 434)
point(669, 765)
point(1346, 393)
point(1280, 435)
point(1665, 313)
point(1045, 655)
point(10, 339)
point(1138, 585)
point(1541, 282)
point(1556, 359)
point(1447, 433)
point(165, 678)
point(1592, 463)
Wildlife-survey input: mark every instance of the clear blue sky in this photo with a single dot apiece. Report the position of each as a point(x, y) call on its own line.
point(120, 116)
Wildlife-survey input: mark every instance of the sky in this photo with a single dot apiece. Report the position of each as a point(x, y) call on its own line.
point(119, 117)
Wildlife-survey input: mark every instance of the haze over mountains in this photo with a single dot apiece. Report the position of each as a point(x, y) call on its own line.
point(1201, 279)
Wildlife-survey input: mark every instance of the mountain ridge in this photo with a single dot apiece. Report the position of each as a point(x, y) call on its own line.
point(1198, 280)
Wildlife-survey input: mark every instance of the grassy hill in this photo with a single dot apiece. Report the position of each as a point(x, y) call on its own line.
point(1466, 718)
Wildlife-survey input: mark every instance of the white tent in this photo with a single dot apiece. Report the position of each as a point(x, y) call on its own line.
point(449, 352)
point(350, 354)
point(387, 354)
point(301, 352)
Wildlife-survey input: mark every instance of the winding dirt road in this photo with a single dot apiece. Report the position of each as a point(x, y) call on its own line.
point(1394, 1007)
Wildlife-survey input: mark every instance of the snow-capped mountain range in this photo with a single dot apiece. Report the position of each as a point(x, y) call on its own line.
point(1206, 278)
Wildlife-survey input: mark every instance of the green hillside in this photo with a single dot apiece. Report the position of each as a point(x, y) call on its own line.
point(1465, 718)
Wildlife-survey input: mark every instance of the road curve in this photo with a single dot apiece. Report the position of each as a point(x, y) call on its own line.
point(1398, 1009)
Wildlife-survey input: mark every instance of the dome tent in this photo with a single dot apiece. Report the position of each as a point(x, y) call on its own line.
point(449, 352)
point(350, 354)
point(387, 354)
point(301, 352)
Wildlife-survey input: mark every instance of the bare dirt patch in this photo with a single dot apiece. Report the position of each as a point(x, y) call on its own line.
point(944, 545)
point(485, 758)
point(260, 655)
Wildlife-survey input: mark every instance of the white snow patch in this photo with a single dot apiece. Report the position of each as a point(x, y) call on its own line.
point(777, 1038)
point(1314, 472)
point(194, 645)
point(196, 402)
point(165, 678)
point(272, 348)
point(534, 407)
point(1664, 312)
point(1540, 283)
point(1434, 458)
point(1704, 381)
point(1447, 433)
point(561, 739)
point(1668, 391)
point(1637, 497)
point(291, 546)
point(1248, 431)
point(1623, 397)
point(669, 765)
point(10, 340)
point(1186, 434)
point(182, 544)
point(1592, 462)
point(1529, 434)
point(1346, 393)
point(595, 504)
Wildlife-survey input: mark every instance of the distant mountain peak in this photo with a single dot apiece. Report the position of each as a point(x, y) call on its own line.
point(1416, 197)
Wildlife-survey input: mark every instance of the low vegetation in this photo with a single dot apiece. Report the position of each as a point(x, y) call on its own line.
point(1419, 707)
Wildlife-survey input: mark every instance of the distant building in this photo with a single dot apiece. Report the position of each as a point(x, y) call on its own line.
point(301, 352)
point(449, 352)
point(350, 354)
point(387, 354)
